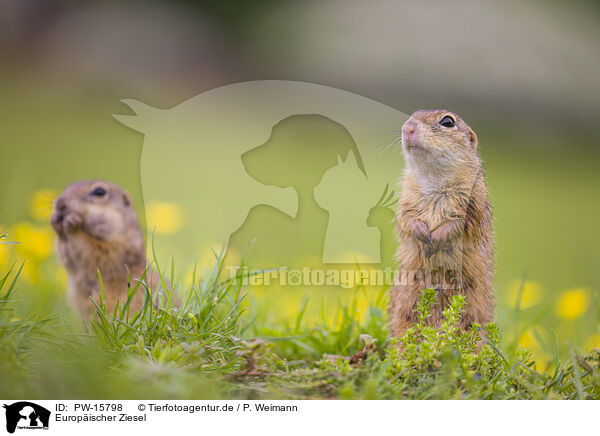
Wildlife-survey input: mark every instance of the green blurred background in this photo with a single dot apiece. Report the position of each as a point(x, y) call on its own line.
point(523, 75)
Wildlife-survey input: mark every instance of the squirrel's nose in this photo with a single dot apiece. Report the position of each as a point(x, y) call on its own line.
point(409, 128)
point(60, 209)
point(60, 205)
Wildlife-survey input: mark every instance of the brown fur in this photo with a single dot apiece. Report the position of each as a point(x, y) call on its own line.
point(445, 222)
point(99, 233)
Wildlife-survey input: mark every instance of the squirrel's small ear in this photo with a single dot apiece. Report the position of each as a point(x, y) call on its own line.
point(473, 138)
point(126, 199)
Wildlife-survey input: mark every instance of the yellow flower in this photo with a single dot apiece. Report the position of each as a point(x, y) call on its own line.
point(166, 217)
point(206, 259)
point(31, 271)
point(593, 342)
point(527, 340)
point(530, 296)
point(41, 204)
point(573, 303)
point(362, 306)
point(3, 256)
point(61, 277)
point(33, 240)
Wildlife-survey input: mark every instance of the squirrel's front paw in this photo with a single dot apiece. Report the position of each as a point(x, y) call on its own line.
point(420, 230)
point(72, 222)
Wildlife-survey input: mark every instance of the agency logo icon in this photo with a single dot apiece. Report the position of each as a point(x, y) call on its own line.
point(24, 415)
point(275, 173)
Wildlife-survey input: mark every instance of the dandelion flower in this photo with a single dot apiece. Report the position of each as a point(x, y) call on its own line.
point(61, 277)
point(530, 295)
point(3, 255)
point(573, 303)
point(593, 342)
point(527, 340)
point(33, 240)
point(40, 206)
point(166, 217)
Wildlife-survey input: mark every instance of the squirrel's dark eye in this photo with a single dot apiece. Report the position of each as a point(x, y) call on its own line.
point(99, 192)
point(447, 122)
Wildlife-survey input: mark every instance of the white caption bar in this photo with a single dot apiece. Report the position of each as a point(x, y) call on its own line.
point(295, 417)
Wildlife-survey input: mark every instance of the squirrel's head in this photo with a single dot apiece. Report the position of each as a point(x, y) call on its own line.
point(437, 139)
point(96, 207)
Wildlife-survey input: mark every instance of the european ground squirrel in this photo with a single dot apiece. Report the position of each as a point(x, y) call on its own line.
point(444, 223)
point(98, 230)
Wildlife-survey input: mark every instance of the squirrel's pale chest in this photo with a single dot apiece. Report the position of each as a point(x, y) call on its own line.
point(437, 207)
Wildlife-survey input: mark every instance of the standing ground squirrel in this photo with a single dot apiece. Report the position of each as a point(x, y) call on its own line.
point(98, 230)
point(445, 222)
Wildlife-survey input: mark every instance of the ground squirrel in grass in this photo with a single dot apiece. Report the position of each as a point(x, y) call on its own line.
point(98, 230)
point(444, 222)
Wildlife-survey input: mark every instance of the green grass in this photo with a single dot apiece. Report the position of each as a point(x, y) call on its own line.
point(214, 347)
